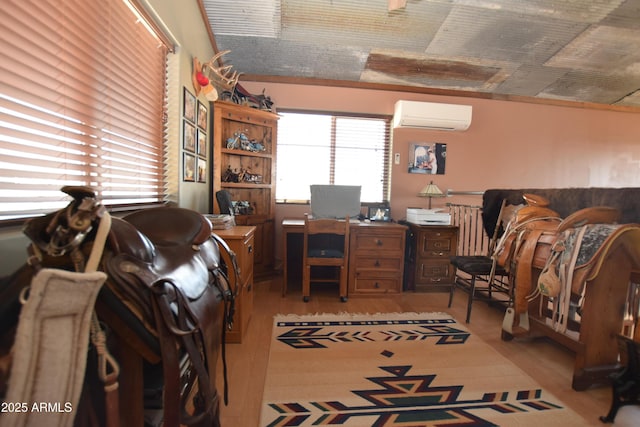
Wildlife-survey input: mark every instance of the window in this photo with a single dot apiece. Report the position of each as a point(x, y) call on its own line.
point(332, 149)
point(82, 102)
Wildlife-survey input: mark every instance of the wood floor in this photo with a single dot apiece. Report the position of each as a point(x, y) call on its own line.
point(548, 363)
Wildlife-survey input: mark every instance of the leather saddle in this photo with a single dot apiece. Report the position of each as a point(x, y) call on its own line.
point(166, 282)
point(163, 245)
point(539, 249)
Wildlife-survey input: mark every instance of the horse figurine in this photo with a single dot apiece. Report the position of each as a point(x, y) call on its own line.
point(148, 292)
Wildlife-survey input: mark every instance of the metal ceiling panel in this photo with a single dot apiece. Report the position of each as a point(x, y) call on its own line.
point(244, 17)
point(602, 48)
point(581, 50)
point(500, 35)
point(362, 23)
point(276, 57)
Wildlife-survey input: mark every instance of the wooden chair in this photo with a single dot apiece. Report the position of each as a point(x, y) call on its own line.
point(325, 244)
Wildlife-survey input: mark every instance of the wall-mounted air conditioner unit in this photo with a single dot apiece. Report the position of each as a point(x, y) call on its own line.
point(430, 115)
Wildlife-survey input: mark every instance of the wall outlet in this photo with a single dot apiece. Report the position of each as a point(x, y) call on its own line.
point(396, 159)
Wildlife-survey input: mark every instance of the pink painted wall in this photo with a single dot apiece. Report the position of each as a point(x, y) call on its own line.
point(508, 145)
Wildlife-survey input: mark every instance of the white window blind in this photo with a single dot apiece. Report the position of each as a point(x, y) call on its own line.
point(332, 149)
point(82, 102)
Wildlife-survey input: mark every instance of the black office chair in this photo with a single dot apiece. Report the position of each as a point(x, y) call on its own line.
point(224, 202)
point(479, 274)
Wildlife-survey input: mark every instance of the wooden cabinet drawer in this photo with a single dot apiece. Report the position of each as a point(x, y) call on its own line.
point(376, 259)
point(245, 259)
point(434, 272)
point(377, 285)
point(370, 241)
point(241, 241)
point(434, 245)
point(377, 263)
point(437, 244)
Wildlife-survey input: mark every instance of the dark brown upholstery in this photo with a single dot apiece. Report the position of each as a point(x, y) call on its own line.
point(565, 201)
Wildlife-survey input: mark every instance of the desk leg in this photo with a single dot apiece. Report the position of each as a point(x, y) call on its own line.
point(285, 265)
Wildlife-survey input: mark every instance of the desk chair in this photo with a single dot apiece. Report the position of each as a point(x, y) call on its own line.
point(325, 244)
point(478, 274)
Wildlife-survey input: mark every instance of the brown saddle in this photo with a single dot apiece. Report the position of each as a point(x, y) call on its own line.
point(161, 245)
point(544, 266)
point(527, 221)
point(166, 282)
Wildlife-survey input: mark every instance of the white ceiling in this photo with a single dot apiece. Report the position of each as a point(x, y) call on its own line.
point(574, 50)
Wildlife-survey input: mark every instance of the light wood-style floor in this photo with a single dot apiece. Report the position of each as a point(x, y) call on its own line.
point(547, 362)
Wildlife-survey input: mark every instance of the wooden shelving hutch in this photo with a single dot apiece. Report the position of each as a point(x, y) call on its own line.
point(229, 120)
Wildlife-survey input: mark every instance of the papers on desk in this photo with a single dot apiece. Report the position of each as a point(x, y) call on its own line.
point(428, 216)
point(221, 221)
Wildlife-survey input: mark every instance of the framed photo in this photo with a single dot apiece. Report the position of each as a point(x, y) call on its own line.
point(379, 213)
point(202, 116)
point(189, 137)
point(189, 107)
point(427, 158)
point(188, 167)
point(202, 143)
point(202, 170)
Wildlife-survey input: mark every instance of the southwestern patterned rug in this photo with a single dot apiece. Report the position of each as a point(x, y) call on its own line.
point(408, 369)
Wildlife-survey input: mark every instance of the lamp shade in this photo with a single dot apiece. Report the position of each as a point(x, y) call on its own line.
point(431, 190)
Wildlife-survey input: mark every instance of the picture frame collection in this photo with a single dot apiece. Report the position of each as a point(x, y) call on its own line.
point(194, 138)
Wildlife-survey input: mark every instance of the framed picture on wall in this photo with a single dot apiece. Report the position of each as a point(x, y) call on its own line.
point(189, 106)
point(188, 167)
point(202, 116)
point(202, 170)
point(202, 143)
point(189, 137)
point(427, 158)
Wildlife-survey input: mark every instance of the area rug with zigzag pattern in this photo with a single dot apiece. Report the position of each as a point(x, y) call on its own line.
point(401, 369)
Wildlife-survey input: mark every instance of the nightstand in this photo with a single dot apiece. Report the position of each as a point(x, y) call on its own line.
point(433, 246)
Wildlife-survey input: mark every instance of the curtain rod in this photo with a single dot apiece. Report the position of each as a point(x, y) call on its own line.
point(451, 192)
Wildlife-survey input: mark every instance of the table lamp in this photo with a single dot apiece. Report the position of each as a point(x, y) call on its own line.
point(430, 191)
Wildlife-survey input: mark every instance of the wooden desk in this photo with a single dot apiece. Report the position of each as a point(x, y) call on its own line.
point(376, 255)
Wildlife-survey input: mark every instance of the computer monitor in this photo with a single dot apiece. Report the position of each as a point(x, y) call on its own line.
point(335, 201)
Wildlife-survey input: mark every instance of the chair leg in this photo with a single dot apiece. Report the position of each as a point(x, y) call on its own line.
point(306, 283)
point(472, 291)
point(613, 410)
point(451, 290)
point(343, 284)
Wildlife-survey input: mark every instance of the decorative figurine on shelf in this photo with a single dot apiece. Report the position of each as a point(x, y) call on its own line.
point(253, 178)
point(242, 207)
point(230, 175)
point(241, 141)
point(256, 146)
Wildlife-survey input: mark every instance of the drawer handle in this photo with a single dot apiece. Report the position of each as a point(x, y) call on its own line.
point(377, 263)
point(376, 285)
point(437, 253)
point(437, 280)
point(250, 248)
point(378, 242)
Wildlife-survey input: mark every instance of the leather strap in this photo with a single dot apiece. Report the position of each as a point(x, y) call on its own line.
point(54, 329)
point(523, 269)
